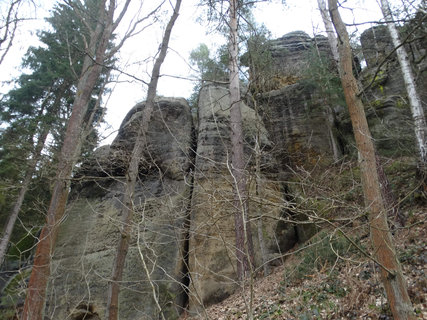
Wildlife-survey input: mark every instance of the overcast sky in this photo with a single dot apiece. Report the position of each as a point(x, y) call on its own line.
point(186, 36)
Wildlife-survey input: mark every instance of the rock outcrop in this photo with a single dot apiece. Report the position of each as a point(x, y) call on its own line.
point(212, 235)
point(301, 121)
point(388, 111)
point(183, 246)
point(88, 237)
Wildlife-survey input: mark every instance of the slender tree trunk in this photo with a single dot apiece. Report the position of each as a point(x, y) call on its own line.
point(332, 39)
point(24, 188)
point(408, 77)
point(34, 303)
point(132, 175)
point(388, 196)
point(244, 245)
point(52, 110)
point(260, 228)
point(391, 273)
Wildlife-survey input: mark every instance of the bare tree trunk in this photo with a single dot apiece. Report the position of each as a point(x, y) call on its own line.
point(24, 188)
point(92, 67)
point(332, 39)
point(260, 228)
point(388, 196)
point(52, 110)
point(244, 245)
point(408, 77)
point(132, 175)
point(391, 273)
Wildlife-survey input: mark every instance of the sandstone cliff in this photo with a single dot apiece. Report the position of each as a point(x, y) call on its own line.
point(183, 233)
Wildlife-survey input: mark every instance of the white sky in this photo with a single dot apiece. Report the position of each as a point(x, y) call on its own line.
point(186, 36)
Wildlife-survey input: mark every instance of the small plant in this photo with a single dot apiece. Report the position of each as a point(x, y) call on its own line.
point(269, 312)
point(320, 255)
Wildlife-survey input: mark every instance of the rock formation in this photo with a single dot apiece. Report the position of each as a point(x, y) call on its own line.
point(212, 235)
point(183, 240)
point(388, 111)
point(88, 237)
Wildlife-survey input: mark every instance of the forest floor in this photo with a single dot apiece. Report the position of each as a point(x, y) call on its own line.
point(315, 284)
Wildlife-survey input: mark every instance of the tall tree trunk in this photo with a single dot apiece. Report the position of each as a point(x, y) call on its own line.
point(330, 32)
point(408, 77)
point(244, 244)
point(92, 67)
point(388, 196)
point(132, 176)
point(391, 273)
point(260, 227)
point(22, 192)
point(51, 110)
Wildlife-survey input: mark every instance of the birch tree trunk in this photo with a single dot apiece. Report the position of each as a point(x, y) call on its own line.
point(244, 244)
point(330, 32)
point(391, 273)
point(408, 77)
point(132, 176)
point(92, 67)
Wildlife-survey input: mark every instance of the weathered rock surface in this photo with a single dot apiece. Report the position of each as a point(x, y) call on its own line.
point(300, 127)
point(184, 221)
point(388, 110)
point(291, 51)
point(298, 118)
point(212, 235)
point(87, 243)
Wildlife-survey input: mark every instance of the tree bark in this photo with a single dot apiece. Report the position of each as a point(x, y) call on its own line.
point(132, 175)
point(244, 244)
point(92, 67)
point(332, 39)
point(391, 273)
point(388, 196)
point(408, 77)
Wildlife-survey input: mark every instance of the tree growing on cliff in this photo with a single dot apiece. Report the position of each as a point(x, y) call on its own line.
point(384, 252)
point(210, 69)
point(417, 110)
point(132, 176)
point(100, 19)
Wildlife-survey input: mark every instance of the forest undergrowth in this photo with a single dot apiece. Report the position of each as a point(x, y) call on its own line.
point(330, 276)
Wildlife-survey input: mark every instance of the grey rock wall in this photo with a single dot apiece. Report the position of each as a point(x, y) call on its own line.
point(88, 236)
point(212, 236)
point(184, 221)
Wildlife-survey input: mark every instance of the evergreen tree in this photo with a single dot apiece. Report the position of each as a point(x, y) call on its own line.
point(99, 20)
point(40, 105)
point(210, 69)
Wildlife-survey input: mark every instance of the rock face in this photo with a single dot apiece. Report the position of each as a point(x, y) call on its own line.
point(291, 52)
point(388, 109)
point(184, 220)
point(301, 121)
point(212, 236)
point(301, 126)
point(87, 243)
point(183, 244)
